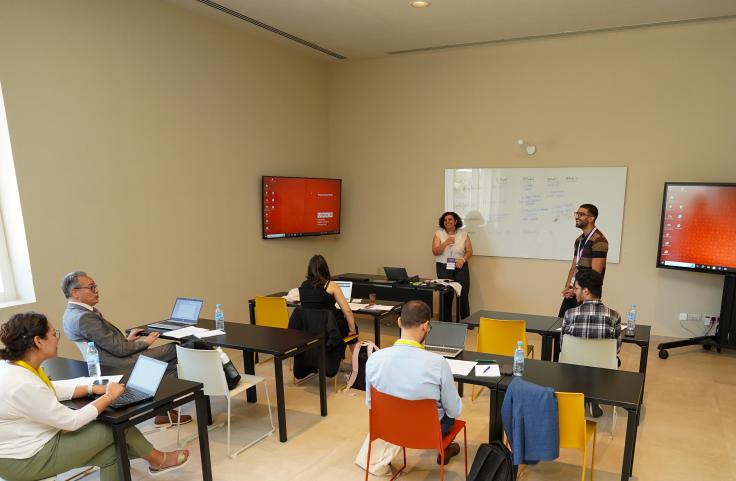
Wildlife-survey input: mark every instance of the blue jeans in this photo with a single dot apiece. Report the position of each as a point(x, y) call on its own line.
point(446, 424)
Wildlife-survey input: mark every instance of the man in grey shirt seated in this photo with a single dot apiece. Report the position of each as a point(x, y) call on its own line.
point(83, 322)
point(407, 371)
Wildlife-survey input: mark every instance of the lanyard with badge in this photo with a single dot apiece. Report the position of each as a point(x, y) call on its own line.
point(579, 253)
point(408, 342)
point(450, 264)
point(42, 375)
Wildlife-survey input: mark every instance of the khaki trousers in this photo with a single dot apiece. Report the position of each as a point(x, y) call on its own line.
point(91, 445)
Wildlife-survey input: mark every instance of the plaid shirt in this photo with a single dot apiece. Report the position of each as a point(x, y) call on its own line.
point(592, 320)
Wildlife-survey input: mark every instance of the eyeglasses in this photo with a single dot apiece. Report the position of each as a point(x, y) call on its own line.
point(581, 214)
point(91, 287)
point(57, 334)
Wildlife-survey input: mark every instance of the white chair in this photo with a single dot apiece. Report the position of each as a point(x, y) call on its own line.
point(591, 352)
point(205, 366)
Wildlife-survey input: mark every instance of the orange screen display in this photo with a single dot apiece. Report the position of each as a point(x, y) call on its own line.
point(699, 228)
point(298, 206)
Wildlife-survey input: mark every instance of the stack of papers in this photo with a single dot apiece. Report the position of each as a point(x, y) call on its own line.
point(461, 368)
point(356, 306)
point(86, 381)
point(378, 307)
point(199, 332)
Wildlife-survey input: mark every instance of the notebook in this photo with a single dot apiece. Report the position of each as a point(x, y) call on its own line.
point(446, 338)
point(398, 274)
point(185, 313)
point(143, 383)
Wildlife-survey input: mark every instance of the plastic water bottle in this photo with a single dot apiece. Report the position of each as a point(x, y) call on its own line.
point(631, 320)
point(219, 318)
point(519, 359)
point(93, 360)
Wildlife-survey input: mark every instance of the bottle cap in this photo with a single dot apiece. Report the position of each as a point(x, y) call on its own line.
point(519, 343)
point(91, 343)
point(218, 305)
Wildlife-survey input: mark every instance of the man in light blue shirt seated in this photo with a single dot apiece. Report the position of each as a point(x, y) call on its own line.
point(407, 371)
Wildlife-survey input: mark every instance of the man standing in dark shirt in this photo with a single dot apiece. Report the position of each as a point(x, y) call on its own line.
point(590, 252)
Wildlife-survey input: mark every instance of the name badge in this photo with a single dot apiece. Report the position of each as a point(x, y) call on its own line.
point(450, 263)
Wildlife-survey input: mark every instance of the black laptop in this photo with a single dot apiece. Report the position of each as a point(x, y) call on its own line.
point(399, 274)
point(143, 383)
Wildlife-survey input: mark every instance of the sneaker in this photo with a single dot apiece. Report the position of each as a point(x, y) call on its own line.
point(452, 450)
point(172, 418)
point(595, 410)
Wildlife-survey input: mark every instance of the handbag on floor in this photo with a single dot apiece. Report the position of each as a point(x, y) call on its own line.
point(381, 455)
point(361, 353)
point(492, 463)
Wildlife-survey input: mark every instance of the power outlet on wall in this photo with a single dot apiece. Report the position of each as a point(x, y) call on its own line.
point(683, 316)
point(693, 317)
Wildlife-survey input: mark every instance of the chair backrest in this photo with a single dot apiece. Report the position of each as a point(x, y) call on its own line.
point(205, 366)
point(571, 412)
point(411, 424)
point(589, 352)
point(497, 336)
point(272, 312)
point(82, 346)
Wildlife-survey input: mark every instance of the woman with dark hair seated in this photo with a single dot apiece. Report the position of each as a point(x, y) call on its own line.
point(39, 436)
point(319, 292)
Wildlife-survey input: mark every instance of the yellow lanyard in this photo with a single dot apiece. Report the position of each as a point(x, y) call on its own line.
point(408, 342)
point(42, 375)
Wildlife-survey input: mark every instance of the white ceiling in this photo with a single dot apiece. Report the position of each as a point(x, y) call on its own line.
point(359, 29)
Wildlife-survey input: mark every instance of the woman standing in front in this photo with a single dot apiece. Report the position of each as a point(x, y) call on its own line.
point(452, 249)
point(39, 436)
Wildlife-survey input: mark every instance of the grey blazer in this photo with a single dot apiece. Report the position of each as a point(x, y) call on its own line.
point(116, 351)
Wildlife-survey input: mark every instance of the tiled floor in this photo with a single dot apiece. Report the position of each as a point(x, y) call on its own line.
point(688, 430)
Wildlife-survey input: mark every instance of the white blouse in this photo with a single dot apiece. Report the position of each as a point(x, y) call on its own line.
point(30, 413)
point(457, 250)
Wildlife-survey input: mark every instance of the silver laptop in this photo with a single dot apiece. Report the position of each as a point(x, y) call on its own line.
point(185, 313)
point(347, 290)
point(143, 383)
point(446, 338)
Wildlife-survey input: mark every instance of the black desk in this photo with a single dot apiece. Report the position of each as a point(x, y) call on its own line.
point(281, 344)
point(376, 314)
point(542, 325)
point(171, 393)
point(393, 291)
point(604, 386)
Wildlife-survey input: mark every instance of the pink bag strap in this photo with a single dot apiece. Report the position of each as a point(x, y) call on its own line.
point(371, 348)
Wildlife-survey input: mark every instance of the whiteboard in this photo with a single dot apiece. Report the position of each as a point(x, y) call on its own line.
point(528, 212)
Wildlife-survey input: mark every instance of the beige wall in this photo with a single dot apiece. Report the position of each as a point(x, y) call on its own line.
point(660, 101)
point(140, 131)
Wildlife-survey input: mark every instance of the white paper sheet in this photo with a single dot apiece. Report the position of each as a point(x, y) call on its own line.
point(86, 381)
point(378, 307)
point(487, 370)
point(185, 331)
point(461, 368)
point(213, 332)
point(356, 306)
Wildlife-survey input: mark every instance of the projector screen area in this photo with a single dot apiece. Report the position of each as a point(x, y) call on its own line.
point(698, 227)
point(300, 206)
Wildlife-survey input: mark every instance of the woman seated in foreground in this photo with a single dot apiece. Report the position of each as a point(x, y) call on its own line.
point(39, 436)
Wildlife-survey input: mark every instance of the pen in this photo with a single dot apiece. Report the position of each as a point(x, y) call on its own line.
point(486, 369)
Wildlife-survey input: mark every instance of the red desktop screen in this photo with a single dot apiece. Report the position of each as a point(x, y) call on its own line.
point(300, 206)
point(698, 230)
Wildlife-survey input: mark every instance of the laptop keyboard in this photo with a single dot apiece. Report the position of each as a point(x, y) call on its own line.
point(442, 350)
point(129, 396)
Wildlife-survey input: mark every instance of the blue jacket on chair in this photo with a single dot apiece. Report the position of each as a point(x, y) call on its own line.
point(531, 422)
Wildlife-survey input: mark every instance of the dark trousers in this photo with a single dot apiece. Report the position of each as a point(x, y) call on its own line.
point(567, 303)
point(446, 424)
point(463, 277)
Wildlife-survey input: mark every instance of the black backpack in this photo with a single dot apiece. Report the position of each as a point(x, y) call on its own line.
point(492, 463)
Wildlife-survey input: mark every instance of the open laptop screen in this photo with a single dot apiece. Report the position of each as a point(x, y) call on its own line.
point(147, 374)
point(448, 334)
point(346, 287)
point(186, 310)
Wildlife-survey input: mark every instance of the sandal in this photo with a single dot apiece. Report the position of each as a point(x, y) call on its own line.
point(182, 458)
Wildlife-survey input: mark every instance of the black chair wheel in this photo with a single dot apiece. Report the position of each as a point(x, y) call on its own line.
point(707, 347)
point(663, 354)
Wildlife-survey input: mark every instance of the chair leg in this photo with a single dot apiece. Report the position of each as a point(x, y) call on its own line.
point(402, 467)
point(592, 457)
point(585, 459)
point(228, 425)
point(266, 434)
point(368, 460)
point(613, 420)
point(465, 446)
point(475, 396)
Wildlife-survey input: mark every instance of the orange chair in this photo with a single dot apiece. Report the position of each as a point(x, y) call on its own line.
point(410, 424)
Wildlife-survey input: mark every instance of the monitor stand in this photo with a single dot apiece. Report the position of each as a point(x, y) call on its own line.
point(725, 337)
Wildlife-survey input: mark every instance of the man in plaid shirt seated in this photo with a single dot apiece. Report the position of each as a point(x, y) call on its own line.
point(591, 319)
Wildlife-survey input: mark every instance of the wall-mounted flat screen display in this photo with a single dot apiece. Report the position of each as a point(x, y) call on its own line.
point(698, 227)
point(300, 206)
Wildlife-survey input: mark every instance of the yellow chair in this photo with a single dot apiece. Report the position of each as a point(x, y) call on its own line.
point(272, 312)
point(575, 430)
point(498, 336)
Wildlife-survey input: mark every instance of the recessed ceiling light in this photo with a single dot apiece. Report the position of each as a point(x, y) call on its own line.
point(419, 4)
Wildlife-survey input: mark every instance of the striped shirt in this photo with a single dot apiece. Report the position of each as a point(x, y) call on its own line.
point(595, 248)
point(593, 320)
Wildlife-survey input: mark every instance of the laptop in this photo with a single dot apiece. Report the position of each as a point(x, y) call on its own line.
point(143, 383)
point(184, 314)
point(446, 338)
point(398, 274)
point(346, 287)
